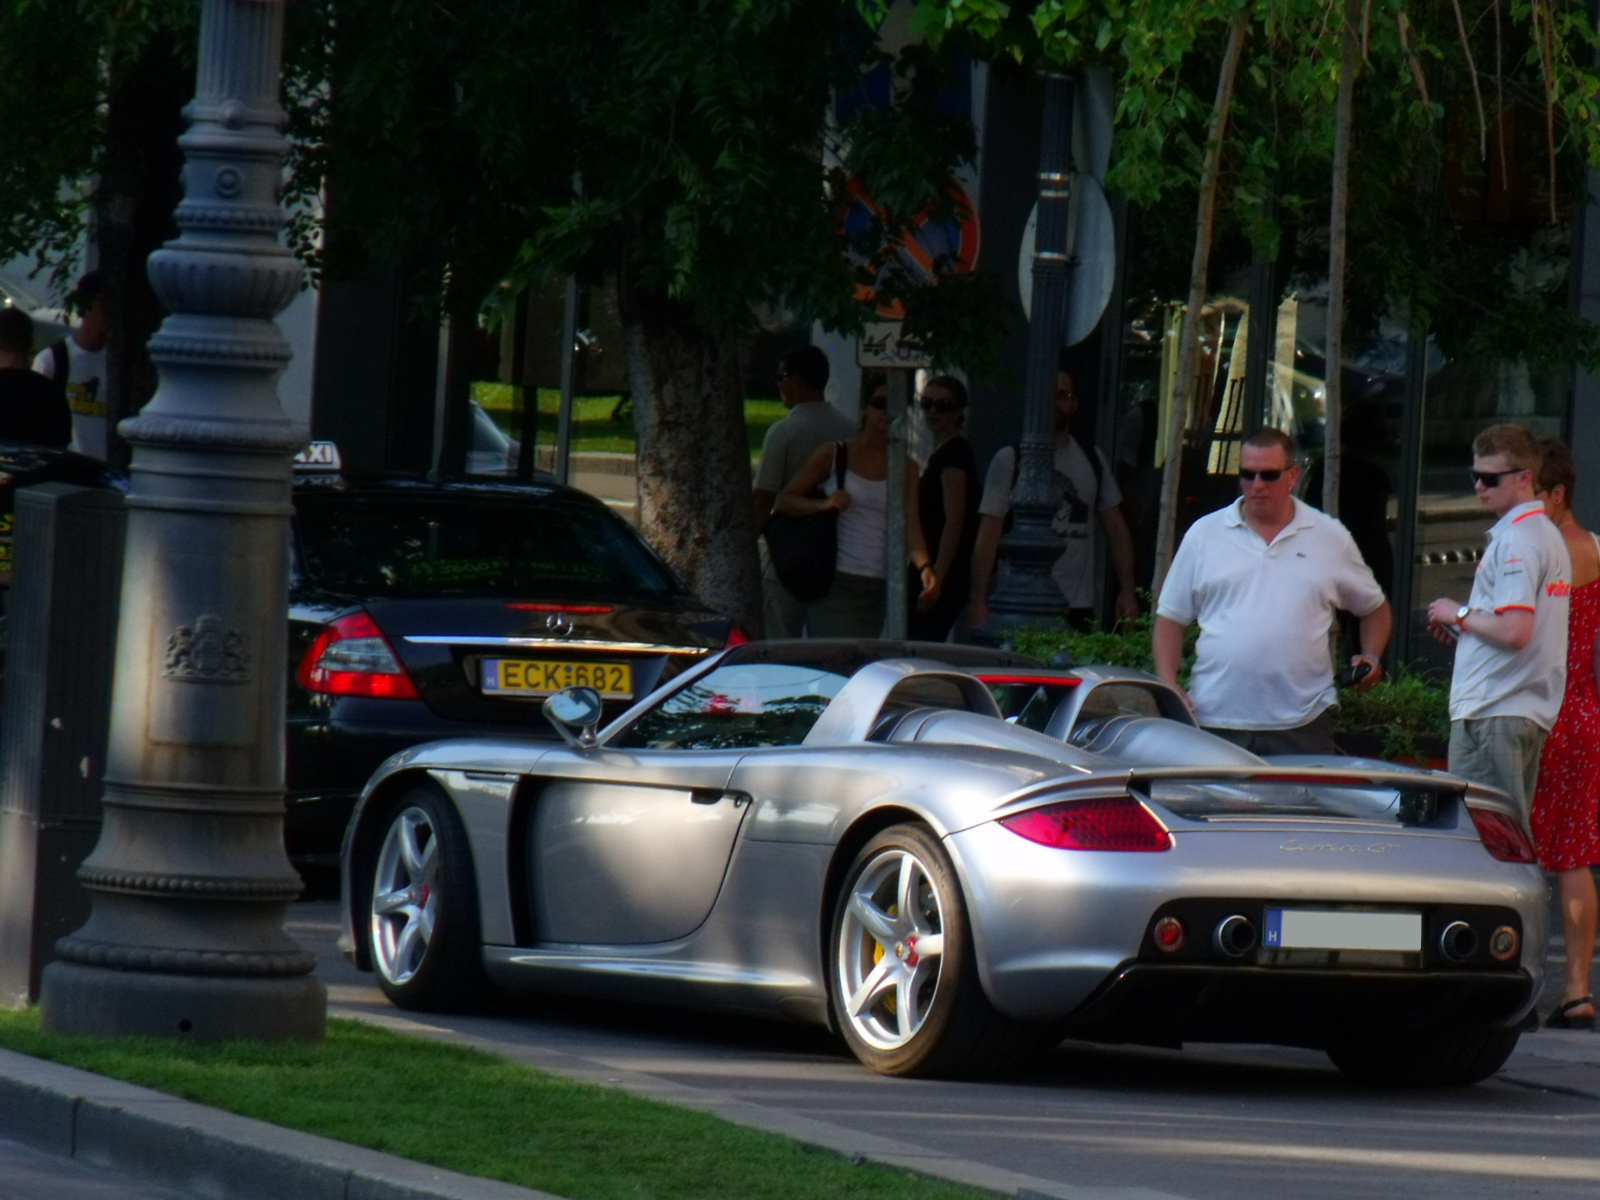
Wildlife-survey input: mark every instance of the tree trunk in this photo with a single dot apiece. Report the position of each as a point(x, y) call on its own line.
point(134, 202)
point(694, 460)
point(1189, 337)
point(1338, 241)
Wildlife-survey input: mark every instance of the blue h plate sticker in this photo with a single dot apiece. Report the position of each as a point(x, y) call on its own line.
point(1274, 935)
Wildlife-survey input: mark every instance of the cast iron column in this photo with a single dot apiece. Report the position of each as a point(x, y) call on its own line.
point(189, 882)
point(1025, 592)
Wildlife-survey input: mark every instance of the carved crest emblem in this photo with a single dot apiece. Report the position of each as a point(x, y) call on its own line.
point(207, 652)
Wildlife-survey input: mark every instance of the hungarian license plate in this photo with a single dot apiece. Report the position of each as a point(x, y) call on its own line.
point(540, 677)
point(1322, 929)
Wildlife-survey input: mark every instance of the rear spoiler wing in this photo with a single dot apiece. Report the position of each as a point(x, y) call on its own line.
point(1426, 783)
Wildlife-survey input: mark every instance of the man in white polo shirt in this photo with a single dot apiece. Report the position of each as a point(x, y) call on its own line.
point(1511, 635)
point(1265, 578)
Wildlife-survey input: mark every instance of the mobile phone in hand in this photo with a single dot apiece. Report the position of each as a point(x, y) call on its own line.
point(1352, 675)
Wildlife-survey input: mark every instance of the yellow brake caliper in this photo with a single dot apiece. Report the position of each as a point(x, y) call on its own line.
point(878, 951)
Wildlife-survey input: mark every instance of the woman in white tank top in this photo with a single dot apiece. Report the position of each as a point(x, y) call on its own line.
point(854, 606)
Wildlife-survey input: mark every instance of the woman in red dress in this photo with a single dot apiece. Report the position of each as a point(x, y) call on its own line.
point(1566, 803)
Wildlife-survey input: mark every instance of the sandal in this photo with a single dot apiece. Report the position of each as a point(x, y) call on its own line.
point(1560, 1019)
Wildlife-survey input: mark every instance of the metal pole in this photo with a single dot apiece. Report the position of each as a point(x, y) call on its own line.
point(894, 543)
point(1403, 583)
point(188, 883)
point(569, 338)
point(1026, 592)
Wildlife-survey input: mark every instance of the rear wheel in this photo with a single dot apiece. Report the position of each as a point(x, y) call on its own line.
point(1427, 1058)
point(905, 986)
point(423, 913)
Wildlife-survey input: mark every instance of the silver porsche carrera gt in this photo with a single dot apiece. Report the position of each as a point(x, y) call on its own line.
point(951, 857)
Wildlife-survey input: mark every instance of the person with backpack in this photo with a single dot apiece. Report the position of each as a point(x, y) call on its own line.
point(1088, 495)
point(78, 364)
point(851, 478)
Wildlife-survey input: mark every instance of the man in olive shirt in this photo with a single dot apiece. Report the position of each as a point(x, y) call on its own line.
point(811, 421)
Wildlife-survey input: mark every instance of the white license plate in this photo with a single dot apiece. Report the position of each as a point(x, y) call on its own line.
point(1320, 929)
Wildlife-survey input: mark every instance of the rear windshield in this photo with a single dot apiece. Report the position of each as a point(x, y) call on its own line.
point(379, 546)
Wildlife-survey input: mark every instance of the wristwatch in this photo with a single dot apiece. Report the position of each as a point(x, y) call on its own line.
point(1461, 616)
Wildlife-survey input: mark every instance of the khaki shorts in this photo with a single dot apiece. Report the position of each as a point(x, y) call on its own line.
point(1499, 752)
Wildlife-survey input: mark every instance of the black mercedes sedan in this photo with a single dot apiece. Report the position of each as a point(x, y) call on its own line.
point(422, 610)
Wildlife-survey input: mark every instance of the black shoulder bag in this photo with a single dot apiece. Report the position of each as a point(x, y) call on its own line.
point(805, 550)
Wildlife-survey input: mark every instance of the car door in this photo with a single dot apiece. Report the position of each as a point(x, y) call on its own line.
point(630, 846)
point(631, 841)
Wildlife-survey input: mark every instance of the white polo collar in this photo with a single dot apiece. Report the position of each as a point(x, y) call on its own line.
point(1528, 508)
point(1233, 515)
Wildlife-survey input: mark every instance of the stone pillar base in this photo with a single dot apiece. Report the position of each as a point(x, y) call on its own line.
point(97, 1000)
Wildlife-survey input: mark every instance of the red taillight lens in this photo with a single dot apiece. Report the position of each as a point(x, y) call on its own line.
point(738, 635)
point(1502, 837)
point(353, 658)
point(531, 606)
point(1117, 823)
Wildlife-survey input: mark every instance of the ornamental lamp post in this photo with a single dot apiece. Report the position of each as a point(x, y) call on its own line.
point(189, 882)
point(1025, 593)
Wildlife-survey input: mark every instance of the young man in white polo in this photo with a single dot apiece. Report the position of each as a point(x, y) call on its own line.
point(1511, 634)
point(1266, 577)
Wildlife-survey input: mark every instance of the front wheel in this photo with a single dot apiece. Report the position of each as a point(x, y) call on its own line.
point(1429, 1058)
point(905, 987)
point(423, 911)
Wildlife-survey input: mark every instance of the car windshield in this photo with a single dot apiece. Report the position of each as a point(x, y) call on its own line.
point(393, 546)
point(740, 706)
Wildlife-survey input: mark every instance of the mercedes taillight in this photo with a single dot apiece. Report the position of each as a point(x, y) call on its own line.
point(353, 658)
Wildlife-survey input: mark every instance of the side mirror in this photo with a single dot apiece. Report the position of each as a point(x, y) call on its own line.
point(575, 712)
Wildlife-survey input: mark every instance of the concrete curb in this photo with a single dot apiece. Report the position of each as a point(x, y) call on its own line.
point(178, 1144)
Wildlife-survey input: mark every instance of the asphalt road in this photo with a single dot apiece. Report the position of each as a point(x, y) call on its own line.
point(29, 1174)
point(1205, 1123)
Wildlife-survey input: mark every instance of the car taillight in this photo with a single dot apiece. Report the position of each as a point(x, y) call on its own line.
point(738, 635)
point(1502, 837)
point(1115, 823)
point(353, 658)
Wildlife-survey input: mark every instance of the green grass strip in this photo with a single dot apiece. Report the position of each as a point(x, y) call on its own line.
point(600, 423)
point(468, 1111)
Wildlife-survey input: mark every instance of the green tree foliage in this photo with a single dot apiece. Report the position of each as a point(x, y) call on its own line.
point(1508, 69)
point(687, 151)
point(60, 63)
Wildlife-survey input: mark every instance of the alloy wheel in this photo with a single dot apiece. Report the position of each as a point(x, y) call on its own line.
point(891, 949)
point(405, 895)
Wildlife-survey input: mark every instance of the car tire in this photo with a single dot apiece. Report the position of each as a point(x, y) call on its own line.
point(880, 967)
point(1450, 1057)
point(422, 912)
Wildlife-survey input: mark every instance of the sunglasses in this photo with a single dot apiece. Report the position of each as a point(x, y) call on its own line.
point(1491, 479)
point(1272, 476)
point(937, 406)
point(877, 402)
